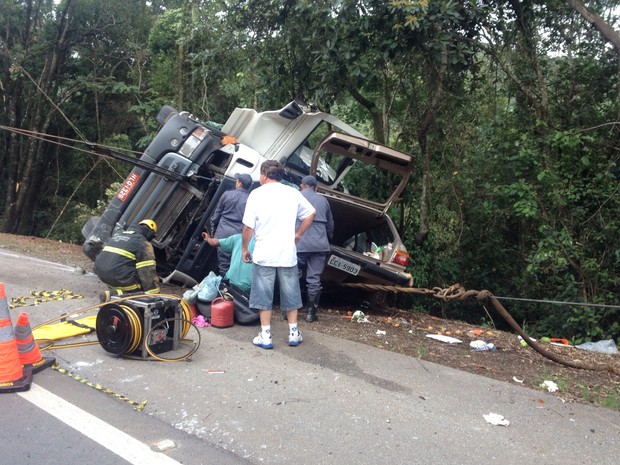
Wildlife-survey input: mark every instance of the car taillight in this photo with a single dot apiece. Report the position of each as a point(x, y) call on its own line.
point(401, 258)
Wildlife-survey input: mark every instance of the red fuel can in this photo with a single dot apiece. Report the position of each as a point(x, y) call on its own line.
point(222, 312)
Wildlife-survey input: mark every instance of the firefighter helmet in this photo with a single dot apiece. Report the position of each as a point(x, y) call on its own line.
point(151, 224)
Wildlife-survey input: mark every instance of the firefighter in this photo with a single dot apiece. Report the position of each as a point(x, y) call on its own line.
point(127, 262)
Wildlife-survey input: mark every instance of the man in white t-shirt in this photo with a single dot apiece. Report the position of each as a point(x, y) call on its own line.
point(271, 214)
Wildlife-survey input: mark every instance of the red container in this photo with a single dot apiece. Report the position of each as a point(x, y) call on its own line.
point(222, 313)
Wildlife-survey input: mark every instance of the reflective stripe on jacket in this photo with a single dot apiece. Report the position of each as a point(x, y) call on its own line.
point(127, 262)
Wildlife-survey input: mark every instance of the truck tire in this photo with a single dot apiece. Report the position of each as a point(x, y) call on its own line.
point(165, 113)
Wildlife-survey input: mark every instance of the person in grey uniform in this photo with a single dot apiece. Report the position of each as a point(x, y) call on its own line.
point(226, 220)
point(313, 247)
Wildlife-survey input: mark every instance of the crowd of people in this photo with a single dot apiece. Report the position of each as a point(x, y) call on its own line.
point(267, 239)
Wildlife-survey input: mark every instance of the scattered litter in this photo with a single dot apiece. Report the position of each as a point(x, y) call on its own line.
point(549, 386)
point(517, 380)
point(442, 338)
point(164, 445)
point(496, 419)
point(359, 317)
point(476, 332)
point(214, 372)
point(481, 345)
point(556, 341)
point(200, 321)
point(522, 341)
point(380, 332)
point(607, 346)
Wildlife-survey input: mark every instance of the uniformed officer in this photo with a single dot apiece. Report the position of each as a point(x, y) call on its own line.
point(313, 247)
point(226, 219)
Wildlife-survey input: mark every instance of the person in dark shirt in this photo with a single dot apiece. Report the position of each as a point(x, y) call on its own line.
point(313, 247)
point(226, 220)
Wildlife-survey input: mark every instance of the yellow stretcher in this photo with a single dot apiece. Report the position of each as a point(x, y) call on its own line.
point(66, 329)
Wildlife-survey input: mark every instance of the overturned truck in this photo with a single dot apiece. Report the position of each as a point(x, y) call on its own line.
point(190, 164)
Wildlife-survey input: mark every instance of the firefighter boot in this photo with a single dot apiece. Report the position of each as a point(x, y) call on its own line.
point(313, 305)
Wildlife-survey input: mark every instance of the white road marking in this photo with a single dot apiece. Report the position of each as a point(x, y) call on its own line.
point(116, 441)
point(55, 266)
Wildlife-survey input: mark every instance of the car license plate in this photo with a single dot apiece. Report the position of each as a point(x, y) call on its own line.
point(343, 265)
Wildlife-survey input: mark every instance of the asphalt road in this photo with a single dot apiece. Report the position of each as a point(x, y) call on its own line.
point(328, 401)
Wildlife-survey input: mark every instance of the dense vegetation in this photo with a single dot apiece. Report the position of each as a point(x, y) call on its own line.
point(510, 106)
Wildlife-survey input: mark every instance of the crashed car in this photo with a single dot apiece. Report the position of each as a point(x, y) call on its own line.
point(189, 164)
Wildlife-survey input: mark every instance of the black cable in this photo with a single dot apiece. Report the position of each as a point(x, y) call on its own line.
point(582, 304)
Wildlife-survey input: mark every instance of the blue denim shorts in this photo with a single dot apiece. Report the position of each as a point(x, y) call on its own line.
point(263, 284)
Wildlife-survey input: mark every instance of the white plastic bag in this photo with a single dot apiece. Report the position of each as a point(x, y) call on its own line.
point(496, 419)
point(607, 346)
point(209, 287)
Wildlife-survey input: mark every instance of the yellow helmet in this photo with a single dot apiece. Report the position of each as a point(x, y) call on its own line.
point(151, 224)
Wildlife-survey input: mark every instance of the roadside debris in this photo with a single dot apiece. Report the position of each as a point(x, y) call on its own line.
point(164, 445)
point(517, 380)
point(442, 338)
point(607, 346)
point(359, 317)
point(496, 419)
point(549, 386)
point(482, 345)
point(556, 341)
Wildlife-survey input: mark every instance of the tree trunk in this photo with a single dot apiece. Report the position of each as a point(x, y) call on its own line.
point(27, 154)
point(12, 165)
point(429, 119)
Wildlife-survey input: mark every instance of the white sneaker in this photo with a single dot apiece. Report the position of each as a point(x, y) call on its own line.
point(261, 341)
point(295, 340)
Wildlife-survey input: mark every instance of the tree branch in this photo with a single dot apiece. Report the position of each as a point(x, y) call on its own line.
point(599, 23)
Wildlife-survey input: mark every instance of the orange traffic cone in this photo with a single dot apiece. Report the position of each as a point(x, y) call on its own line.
point(13, 377)
point(29, 353)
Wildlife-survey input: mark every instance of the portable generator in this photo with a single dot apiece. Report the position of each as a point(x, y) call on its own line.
point(141, 326)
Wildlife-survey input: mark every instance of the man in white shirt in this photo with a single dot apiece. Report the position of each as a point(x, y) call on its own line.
point(271, 214)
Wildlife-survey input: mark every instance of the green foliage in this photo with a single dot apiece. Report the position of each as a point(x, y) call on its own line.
point(522, 140)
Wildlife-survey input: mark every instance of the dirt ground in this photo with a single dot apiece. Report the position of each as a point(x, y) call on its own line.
point(407, 333)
